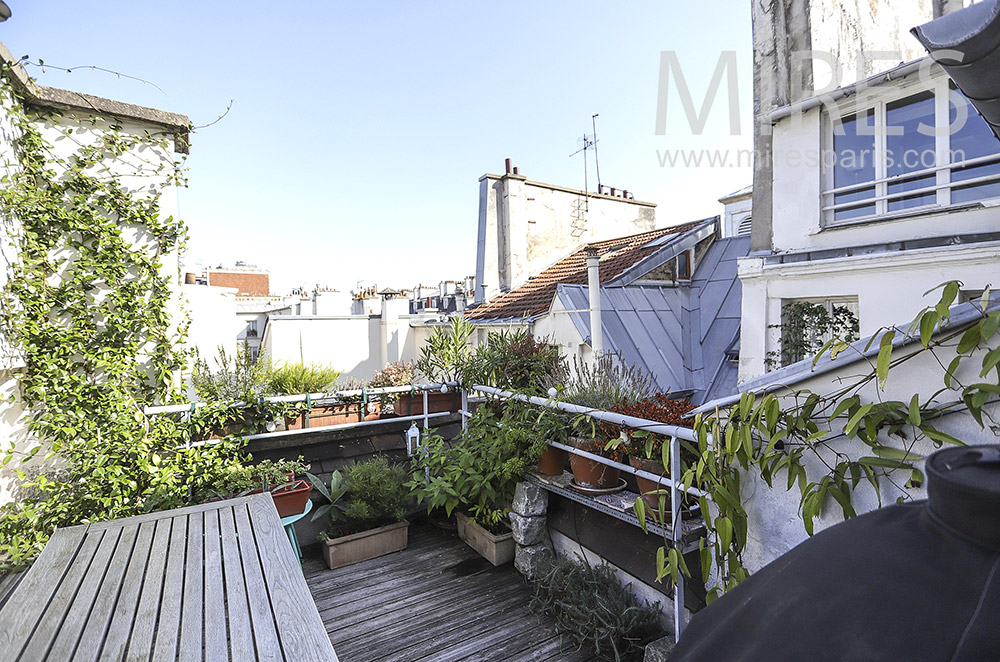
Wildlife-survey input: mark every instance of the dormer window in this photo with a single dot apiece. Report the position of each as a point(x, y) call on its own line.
point(926, 150)
point(684, 266)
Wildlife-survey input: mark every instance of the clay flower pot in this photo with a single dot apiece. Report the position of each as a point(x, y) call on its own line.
point(552, 461)
point(589, 473)
point(646, 485)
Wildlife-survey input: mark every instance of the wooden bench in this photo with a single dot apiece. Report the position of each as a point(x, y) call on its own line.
point(214, 582)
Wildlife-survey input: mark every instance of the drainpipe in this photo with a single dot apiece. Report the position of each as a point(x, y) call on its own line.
point(594, 287)
point(383, 339)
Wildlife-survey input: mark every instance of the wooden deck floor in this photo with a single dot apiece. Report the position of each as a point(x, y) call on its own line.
point(435, 601)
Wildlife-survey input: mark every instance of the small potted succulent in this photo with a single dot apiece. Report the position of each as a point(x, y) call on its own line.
point(365, 513)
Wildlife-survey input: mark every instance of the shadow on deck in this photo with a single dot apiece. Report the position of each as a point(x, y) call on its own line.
point(435, 601)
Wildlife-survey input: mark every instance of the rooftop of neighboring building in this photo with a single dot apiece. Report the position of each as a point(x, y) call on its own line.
point(617, 255)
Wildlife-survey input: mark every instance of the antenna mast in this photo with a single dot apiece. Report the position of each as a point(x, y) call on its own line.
point(597, 164)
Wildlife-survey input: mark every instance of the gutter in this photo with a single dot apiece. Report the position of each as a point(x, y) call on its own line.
point(883, 78)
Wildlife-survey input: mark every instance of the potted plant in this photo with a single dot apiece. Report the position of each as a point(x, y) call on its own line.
point(650, 452)
point(602, 386)
point(412, 403)
point(591, 474)
point(365, 512)
point(277, 477)
point(474, 476)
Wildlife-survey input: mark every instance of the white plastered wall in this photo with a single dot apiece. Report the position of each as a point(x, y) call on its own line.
point(775, 524)
point(144, 171)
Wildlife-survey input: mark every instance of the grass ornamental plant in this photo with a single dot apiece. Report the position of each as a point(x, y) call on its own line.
point(609, 383)
point(595, 609)
point(297, 378)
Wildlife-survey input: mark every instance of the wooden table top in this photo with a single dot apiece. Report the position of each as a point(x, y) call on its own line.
point(207, 583)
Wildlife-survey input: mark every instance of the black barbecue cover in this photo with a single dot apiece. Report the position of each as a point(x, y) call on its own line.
point(917, 581)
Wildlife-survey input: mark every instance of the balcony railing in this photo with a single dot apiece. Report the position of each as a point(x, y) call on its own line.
point(675, 433)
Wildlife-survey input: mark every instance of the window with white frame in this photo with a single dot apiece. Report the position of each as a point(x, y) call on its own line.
point(807, 324)
point(923, 150)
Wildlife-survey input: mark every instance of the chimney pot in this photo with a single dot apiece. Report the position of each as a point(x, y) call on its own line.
point(506, 163)
point(515, 171)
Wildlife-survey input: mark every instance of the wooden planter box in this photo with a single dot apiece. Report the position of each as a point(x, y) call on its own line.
point(495, 549)
point(321, 415)
point(413, 405)
point(338, 552)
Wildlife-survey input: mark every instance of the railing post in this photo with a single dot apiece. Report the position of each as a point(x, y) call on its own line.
point(426, 413)
point(676, 532)
point(465, 408)
point(308, 409)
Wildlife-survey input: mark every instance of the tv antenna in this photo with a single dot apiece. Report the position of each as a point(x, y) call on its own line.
point(582, 204)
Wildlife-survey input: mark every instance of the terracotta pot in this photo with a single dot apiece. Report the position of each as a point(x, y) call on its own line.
point(291, 499)
point(497, 549)
point(338, 414)
point(552, 461)
point(588, 473)
point(646, 485)
point(413, 405)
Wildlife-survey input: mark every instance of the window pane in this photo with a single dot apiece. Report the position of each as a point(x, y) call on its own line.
point(855, 164)
point(970, 141)
point(910, 149)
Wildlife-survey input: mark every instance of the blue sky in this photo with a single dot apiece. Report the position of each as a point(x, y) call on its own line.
point(358, 131)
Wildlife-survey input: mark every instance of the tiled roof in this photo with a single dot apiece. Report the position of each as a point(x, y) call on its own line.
point(535, 297)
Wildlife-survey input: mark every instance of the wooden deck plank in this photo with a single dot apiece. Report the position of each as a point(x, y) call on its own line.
point(192, 610)
point(99, 619)
point(62, 602)
point(353, 599)
point(86, 596)
point(216, 634)
point(168, 628)
point(140, 645)
point(521, 647)
point(376, 576)
point(241, 645)
point(508, 618)
point(263, 627)
point(303, 636)
point(421, 634)
point(403, 623)
point(451, 607)
point(486, 642)
point(31, 597)
point(440, 599)
point(120, 629)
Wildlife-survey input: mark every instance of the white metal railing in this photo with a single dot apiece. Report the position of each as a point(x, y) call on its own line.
point(188, 408)
point(676, 434)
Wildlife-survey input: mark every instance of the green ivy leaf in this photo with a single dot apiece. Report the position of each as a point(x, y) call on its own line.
point(884, 358)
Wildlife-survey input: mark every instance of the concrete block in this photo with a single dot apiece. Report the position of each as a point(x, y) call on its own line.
point(530, 500)
point(533, 561)
point(527, 530)
point(659, 650)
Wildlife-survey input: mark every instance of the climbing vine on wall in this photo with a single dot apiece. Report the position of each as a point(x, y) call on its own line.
point(86, 308)
point(773, 438)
